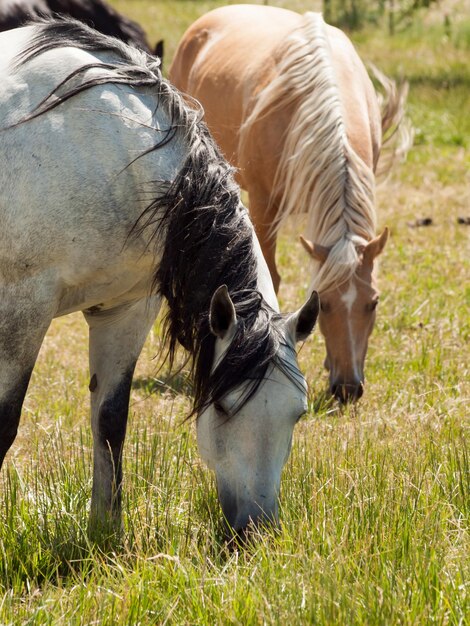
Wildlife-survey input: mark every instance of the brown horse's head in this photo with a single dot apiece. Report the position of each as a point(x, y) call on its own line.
point(347, 317)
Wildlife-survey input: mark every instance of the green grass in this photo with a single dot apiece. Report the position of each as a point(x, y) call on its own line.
point(375, 499)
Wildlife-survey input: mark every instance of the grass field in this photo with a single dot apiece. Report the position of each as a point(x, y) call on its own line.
point(375, 498)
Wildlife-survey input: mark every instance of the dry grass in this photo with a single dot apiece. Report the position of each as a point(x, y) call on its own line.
point(375, 498)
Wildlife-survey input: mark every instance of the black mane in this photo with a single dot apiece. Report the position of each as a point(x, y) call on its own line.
point(208, 240)
point(96, 13)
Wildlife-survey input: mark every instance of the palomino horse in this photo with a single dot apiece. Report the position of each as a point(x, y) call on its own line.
point(114, 197)
point(291, 105)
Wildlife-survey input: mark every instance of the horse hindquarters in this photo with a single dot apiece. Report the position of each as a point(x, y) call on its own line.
point(116, 339)
point(26, 311)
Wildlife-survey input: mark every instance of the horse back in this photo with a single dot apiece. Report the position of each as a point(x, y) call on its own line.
point(230, 55)
point(73, 185)
point(224, 67)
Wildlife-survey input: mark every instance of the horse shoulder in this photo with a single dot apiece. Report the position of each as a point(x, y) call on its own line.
point(204, 68)
point(262, 139)
point(71, 186)
point(224, 60)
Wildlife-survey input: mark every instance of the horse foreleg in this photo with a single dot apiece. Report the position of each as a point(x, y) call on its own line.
point(116, 339)
point(25, 315)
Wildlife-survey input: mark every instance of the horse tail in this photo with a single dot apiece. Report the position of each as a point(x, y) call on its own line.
point(397, 131)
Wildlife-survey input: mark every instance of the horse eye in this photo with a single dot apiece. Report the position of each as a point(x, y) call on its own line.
point(373, 305)
point(325, 307)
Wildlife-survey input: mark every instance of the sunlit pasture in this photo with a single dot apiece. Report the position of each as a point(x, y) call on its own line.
point(375, 498)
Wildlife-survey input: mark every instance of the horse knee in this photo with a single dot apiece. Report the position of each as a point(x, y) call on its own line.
point(112, 414)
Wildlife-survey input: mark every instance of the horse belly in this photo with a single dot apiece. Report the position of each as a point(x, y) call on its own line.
point(105, 291)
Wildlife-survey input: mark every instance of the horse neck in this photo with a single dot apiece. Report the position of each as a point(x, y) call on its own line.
point(265, 283)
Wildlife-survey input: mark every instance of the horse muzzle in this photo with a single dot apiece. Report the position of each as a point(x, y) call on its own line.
point(347, 392)
point(243, 520)
point(243, 537)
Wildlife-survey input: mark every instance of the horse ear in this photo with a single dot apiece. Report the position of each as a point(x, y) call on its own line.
point(317, 252)
point(375, 247)
point(301, 323)
point(222, 316)
point(158, 52)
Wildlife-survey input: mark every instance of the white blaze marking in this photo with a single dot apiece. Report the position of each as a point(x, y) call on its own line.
point(349, 298)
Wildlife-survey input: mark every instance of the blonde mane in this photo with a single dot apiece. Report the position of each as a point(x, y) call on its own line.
point(319, 173)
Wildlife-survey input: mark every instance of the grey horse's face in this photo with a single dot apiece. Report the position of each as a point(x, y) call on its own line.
point(247, 449)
